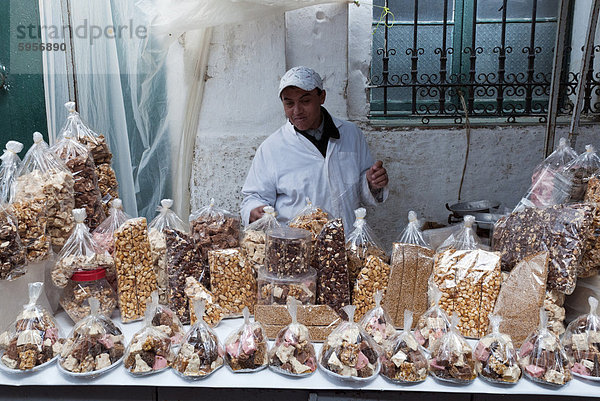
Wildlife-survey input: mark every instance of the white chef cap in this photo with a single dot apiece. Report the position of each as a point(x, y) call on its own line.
point(301, 77)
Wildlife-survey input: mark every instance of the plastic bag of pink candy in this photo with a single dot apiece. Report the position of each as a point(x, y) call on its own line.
point(246, 349)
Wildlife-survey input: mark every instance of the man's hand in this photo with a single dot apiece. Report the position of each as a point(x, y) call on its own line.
point(257, 213)
point(377, 176)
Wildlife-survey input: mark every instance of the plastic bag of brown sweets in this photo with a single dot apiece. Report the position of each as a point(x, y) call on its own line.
point(412, 264)
point(362, 242)
point(403, 360)
point(165, 320)
point(150, 350)
point(434, 323)
point(254, 238)
point(201, 353)
point(34, 339)
point(582, 342)
point(580, 170)
point(95, 346)
point(104, 235)
point(80, 252)
point(496, 357)
point(293, 353)
point(246, 349)
point(590, 261)
point(43, 175)
point(12, 252)
point(166, 219)
point(213, 228)
point(451, 358)
point(183, 261)
point(331, 264)
point(311, 218)
point(96, 144)
point(377, 323)
point(85, 186)
point(542, 357)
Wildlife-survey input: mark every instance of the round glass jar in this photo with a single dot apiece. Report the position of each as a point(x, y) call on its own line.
point(84, 285)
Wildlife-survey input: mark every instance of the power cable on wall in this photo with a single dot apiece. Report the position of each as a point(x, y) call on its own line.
point(468, 131)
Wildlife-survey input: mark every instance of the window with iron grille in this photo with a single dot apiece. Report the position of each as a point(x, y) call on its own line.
point(495, 54)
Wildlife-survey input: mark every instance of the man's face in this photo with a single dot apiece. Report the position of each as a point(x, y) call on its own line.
point(303, 108)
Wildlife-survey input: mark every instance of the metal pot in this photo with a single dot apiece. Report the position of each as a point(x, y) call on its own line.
point(465, 208)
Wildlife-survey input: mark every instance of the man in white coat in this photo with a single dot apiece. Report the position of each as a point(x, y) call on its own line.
point(313, 156)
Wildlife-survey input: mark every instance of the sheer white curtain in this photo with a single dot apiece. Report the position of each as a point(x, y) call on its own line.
point(130, 88)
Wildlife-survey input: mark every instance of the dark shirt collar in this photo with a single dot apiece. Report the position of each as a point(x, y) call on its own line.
point(329, 131)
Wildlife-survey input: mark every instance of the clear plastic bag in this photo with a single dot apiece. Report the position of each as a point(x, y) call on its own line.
point(412, 233)
point(434, 323)
point(496, 357)
point(561, 230)
point(331, 264)
point(33, 223)
point(213, 313)
point(150, 348)
point(412, 264)
point(361, 243)
point(349, 353)
point(166, 219)
point(246, 349)
point(293, 353)
point(213, 228)
point(561, 156)
point(373, 278)
point(232, 281)
point(34, 339)
point(85, 186)
point(165, 320)
point(581, 342)
point(12, 254)
point(470, 283)
point(542, 357)
point(9, 168)
point(580, 170)
point(136, 279)
point(201, 353)
point(311, 218)
point(377, 323)
point(80, 252)
point(183, 261)
point(548, 187)
point(98, 148)
point(104, 234)
point(254, 237)
point(43, 174)
point(451, 357)
point(464, 239)
point(520, 315)
point(96, 345)
point(403, 360)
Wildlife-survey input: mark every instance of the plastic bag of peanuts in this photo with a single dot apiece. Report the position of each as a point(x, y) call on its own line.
point(166, 219)
point(42, 174)
point(377, 323)
point(8, 169)
point(254, 238)
point(80, 252)
point(361, 243)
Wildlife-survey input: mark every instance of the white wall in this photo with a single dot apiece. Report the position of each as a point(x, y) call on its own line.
point(241, 108)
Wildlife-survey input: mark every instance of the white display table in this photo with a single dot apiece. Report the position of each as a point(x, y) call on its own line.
point(267, 379)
